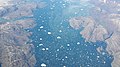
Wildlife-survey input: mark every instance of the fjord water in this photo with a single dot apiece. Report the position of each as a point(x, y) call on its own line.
point(59, 45)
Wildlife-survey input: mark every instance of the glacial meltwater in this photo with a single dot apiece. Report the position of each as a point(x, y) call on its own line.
point(59, 33)
point(59, 45)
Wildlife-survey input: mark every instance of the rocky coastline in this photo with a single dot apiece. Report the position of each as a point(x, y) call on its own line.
point(103, 24)
point(16, 49)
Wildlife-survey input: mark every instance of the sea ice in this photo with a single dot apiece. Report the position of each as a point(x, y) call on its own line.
point(49, 33)
point(58, 37)
point(43, 65)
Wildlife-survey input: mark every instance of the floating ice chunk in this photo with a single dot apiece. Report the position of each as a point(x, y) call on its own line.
point(47, 48)
point(40, 44)
point(58, 49)
point(64, 66)
point(103, 53)
point(75, 12)
point(41, 27)
point(40, 38)
point(78, 43)
point(40, 16)
point(43, 49)
point(104, 62)
point(38, 29)
point(86, 45)
point(37, 46)
point(51, 8)
point(68, 45)
point(49, 33)
point(60, 31)
point(58, 37)
point(81, 9)
point(98, 56)
point(88, 65)
point(63, 4)
point(66, 57)
point(43, 21)
point(43, 65)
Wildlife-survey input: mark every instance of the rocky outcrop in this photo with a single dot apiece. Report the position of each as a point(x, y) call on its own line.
point(93, 32)
point(16, 49)
point(19, 9)
point(103, 24)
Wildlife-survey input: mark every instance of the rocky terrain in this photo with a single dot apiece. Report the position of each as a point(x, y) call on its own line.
point(103, 24)
point(16, 49)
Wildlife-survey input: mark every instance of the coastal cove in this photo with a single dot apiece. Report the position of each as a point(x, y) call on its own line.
point(58, 44)
point(59, 33)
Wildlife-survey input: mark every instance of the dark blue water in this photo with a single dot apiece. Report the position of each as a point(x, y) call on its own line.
point(59, 45)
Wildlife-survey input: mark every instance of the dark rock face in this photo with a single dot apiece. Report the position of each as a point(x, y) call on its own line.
point(15, 47)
